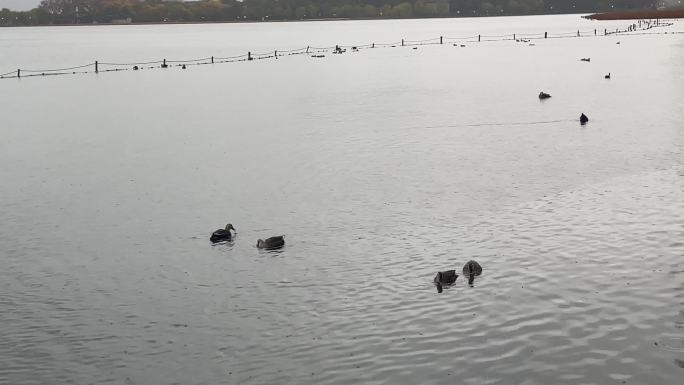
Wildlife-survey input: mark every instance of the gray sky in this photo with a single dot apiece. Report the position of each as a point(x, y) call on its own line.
point(19, 5)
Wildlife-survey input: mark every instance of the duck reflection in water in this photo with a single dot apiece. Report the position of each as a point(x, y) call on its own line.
point(445, 278)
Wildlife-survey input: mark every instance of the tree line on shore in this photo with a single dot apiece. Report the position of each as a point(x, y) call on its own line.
point(158, 11)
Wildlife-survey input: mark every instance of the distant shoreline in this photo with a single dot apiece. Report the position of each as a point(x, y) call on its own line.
point(618, 15)
point(638, 15)
point(181, 22)
point(281, 20)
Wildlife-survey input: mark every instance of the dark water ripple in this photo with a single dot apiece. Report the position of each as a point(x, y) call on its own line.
point(599, 314)
point(577, 287)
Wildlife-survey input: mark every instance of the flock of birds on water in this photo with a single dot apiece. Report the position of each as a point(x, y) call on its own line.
point(542, 95)
point(583, 118)
point(443, 279)
point(225, 235)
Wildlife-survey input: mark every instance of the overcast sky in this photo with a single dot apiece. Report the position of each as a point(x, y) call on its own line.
point(19, 5)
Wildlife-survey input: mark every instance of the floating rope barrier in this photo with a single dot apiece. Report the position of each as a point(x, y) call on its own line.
point(188, 61)
point(322, 48)
point(422, 41)
point(516, 123)
point(357, 46)
point(638, 28)
point(263, 54)
point(495, 124)
point(132, 64)
point(291, 51)
point(496, 36)
point(60, 69)
point(461, 38)
point(230, 57)
point(387, 44)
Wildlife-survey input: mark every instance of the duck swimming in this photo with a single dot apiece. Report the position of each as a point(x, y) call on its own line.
point(221, 235)
point(543, 95)
point(472, 269)
point(445, 278)
point(271, 243)
point(583, 119)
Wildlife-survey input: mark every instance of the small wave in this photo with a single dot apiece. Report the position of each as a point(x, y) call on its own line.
point(673, 344)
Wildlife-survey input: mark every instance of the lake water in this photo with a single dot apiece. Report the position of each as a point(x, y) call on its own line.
point(381, 167)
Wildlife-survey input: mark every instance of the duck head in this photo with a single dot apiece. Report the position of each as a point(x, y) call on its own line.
point(230, 227)
point(261, 244)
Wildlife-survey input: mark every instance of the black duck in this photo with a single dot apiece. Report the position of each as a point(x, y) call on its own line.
point(583, 119)
point(271, 243)
point(471, 270)
point(445, 278)
point(221, 235)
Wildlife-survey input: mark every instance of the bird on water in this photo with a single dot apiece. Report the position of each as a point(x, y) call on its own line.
point(271, 243)
point(471, 270)
point(583, 119)
point(444, 278)
point(221, 235)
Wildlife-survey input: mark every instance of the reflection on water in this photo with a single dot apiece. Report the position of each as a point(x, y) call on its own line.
point(373, 166)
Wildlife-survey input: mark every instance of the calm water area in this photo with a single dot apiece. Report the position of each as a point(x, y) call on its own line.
point(380, 167)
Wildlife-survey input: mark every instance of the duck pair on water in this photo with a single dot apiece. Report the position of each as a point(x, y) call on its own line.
point(223, 235)
point(588, 59)
point(471, 270)
point(583, 118)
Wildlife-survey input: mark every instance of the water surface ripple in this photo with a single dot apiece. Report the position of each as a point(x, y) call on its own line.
point(380, 168)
